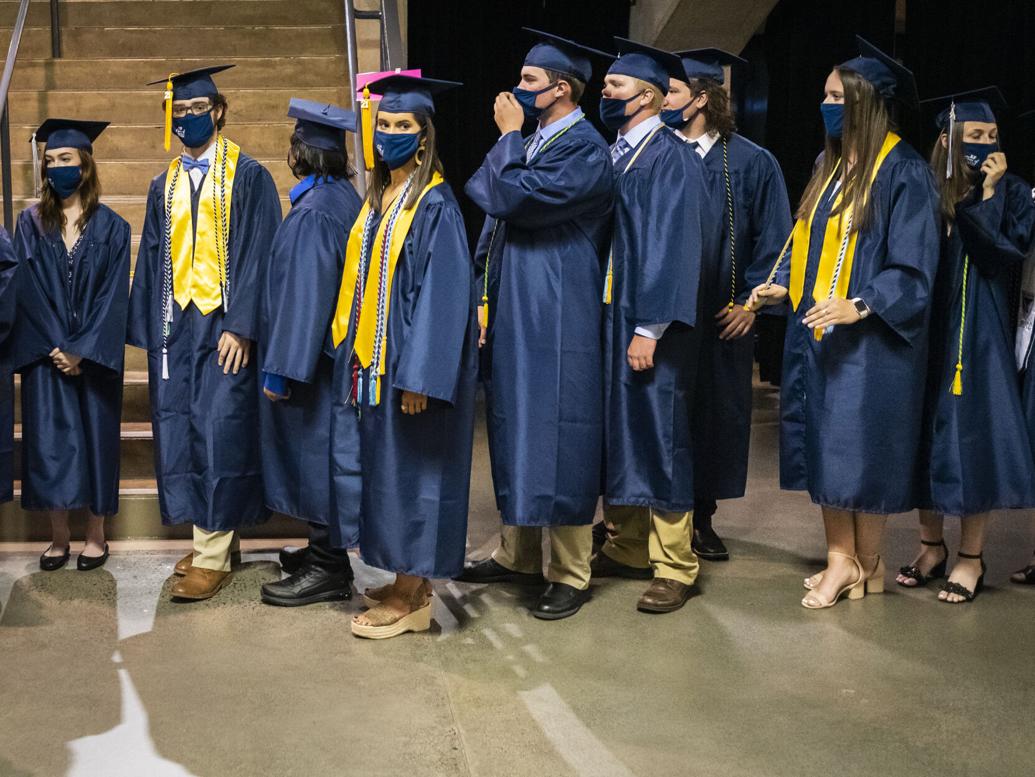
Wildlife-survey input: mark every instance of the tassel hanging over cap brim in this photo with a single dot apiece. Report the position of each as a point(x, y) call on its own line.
point(367, 119)
point(168, 111)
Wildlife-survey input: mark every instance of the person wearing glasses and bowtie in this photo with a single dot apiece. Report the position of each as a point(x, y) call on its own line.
point(194, 307)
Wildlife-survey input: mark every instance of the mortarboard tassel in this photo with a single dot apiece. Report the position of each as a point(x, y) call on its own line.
point(37, 185)
point(367, 118)
point(168, 111)
point(165, 363)
point(952, 131)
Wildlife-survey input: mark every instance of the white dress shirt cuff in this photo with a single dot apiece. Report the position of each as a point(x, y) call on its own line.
point(653, 331)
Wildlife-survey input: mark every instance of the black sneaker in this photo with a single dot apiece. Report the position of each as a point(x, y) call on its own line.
point(309, 585)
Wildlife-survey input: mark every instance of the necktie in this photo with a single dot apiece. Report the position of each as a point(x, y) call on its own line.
point(620, 149)
point(533, 146)
point(694, 145)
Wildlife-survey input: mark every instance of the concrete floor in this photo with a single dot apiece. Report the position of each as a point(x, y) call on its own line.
point(101, 675)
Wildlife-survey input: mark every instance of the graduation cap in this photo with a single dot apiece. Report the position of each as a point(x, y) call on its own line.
point(63, 133)
point(888, 76)
point(638, 60)
point(984, 104)
point(562, 55)
point(707, 63)
point(321, 125)
point(187, 86)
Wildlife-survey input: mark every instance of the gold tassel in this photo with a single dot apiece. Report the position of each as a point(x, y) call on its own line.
point(168, 111)
point(367, 119)
point(483, 313)
point(957, 382)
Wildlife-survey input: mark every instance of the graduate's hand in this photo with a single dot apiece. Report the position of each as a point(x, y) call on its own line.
point(734, 321)
point(274, 397)
point(641, 353)
point(994, 169)
point(483, 333)
point(413, 403)
point(509, 114)
point(67, 363)
point(766, 294)
point(831, 312)
point(234, 352)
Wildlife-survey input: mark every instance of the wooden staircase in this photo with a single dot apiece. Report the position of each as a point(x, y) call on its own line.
point(111, 48)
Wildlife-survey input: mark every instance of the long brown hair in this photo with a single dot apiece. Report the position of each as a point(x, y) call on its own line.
point(381, 175)
point(951, 190)
point(51, 214)
point(867, 122)
point(717, 111)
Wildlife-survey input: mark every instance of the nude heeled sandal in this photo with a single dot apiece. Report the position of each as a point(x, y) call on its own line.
point(855, 590)
point(874, 583)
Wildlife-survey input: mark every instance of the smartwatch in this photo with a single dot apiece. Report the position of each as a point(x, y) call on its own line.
point(862, 308)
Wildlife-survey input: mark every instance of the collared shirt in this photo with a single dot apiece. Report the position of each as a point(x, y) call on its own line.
point(636, 135)
point(703, 143)
point(543, 135)
point(196, 176)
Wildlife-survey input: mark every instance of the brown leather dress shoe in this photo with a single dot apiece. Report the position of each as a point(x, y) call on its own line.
point(200, 583)
point(185, 563)
point(664, 595)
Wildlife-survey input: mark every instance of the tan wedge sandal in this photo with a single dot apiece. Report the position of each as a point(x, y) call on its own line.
point(385, 623)
point(374, 596)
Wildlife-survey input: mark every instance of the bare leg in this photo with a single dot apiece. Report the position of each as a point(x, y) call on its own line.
point(966, 571)
point(94, 536)
point(61, 535)
point(840, 530)
point(869, 532)
point(930, 556)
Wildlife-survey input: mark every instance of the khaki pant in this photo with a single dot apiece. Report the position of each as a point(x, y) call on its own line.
point(521, 550)
point(642, 537)
point(212, 549)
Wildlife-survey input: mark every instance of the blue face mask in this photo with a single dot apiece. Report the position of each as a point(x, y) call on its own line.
point(612, 111)
point(527, 99)
point(194, 131)
point(673, 117)
point(396, 148)
point(64, 180)
point(975, 154)
point(833, 118)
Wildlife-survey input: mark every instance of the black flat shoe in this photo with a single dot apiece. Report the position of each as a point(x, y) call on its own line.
point(708, 545)
point(937, 571)
point(490, 571)
point(293, 559)
point(310, 585)
point(1024, 576)
point(959, 590)
point(54, 563)
point(86, 563)
point(560, 601)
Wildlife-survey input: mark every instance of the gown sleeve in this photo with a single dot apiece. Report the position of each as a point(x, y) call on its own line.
point(997, 232)
point(8, 286)
point(305, 265)
point(900, 292)
point(39, 325)
point(140, 296)
point(771, 222)
point(254, 220)
point(431, 353)
point(101, 338)
point(563, 184)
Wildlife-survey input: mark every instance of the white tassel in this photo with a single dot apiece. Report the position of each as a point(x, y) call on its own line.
point(165, 364)
point(36, 183)
point(952, 132)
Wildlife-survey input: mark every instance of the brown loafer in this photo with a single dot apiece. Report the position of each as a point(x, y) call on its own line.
point(664, 595)
point(200, 583)
point(185, 563)
point(603, 565)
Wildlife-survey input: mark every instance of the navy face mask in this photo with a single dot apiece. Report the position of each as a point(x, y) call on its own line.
point(396, 148)
point(612, 111)
point(975, 154)
point(64, 180)
point(673, 117)
point(193, 130)
point(527, 99)
point(833, 118)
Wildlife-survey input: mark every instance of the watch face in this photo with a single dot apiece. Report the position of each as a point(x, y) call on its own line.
point(861, 307)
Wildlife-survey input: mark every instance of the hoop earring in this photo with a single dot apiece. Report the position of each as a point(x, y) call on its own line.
point(419, 156)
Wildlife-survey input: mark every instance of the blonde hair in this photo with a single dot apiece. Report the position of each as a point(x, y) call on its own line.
point(659, 95)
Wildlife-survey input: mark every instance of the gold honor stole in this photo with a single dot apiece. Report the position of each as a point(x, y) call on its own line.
point(199, 264)
point(377, 289)
point(839, 240)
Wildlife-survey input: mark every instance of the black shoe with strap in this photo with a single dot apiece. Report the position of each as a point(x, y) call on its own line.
point(937, 572)
point(1024, 576)
point(959, 590)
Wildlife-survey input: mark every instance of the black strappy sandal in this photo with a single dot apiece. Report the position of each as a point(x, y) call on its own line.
point(937, 571)
point(1024, 576)
point(959, 590)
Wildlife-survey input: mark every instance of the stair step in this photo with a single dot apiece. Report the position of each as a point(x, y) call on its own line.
point(136, 453)
point(127, 487)
point(144, 106)
point(177, 12)
point(136, 401)
point(175, 41)
point(295, 72)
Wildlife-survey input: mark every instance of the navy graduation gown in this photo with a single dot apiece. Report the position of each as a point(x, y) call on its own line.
point(71, 425)
point(722, 401)
point(976, 454)
point(206, 424)
point(299, 295)
point(542, 364)
point(657, 248)
point(851, 403)
point(8, 295)
point(417, 468)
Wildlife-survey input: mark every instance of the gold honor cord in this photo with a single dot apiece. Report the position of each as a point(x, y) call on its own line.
point(483, 309)
point(957, 380)
point(609, 279)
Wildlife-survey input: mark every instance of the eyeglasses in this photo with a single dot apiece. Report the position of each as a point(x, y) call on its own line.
point(196, 109)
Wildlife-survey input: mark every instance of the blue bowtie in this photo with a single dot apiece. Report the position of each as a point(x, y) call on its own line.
point(190, 163)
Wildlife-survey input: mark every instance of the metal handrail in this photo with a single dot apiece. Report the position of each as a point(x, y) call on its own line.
point(5, 120)
point(392, 56)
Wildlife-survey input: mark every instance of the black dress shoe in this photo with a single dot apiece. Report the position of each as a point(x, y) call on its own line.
point(603, 565)
point(708, 545)
point(490, 571)
point(560, 601)
point(293, 559)
point(85, 563)
point(311, 584)
point(599, 536)
point(53, 563)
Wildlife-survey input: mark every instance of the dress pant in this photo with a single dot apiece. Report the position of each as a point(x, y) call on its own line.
point(521, 550)
point(322, 553)
point(212, 549)
point(642, 536)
